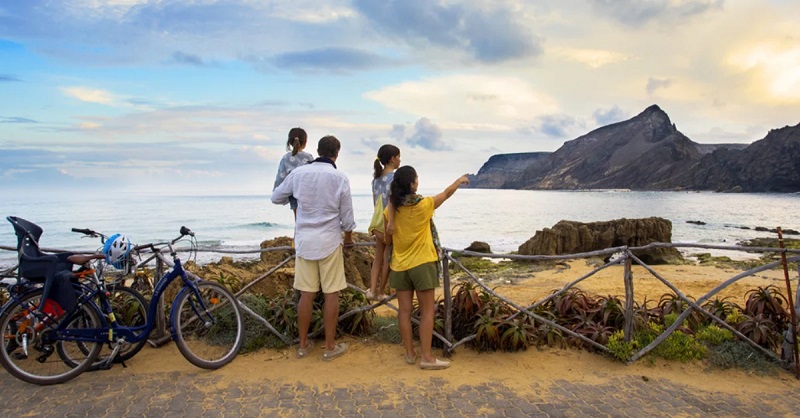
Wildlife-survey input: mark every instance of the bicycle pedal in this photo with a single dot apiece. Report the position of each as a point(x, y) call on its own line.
point(19, 356)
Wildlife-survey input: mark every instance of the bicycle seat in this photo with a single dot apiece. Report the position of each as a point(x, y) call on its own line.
point(81, 259)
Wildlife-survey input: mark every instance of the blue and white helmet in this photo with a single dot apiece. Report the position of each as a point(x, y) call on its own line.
point(116, 250)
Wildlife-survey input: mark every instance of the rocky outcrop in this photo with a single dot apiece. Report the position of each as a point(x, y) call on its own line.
point(570, 237)
point(479, 247)
point(502, 168)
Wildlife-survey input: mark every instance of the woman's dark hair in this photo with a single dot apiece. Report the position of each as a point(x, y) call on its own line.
point(401, 184)
point(385, 153)
point(328, 146)
point(297, 139)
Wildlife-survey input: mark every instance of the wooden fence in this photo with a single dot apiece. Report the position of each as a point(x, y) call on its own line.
point(623, 256)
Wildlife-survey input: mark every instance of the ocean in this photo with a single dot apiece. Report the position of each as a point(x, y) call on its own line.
point(502, 218)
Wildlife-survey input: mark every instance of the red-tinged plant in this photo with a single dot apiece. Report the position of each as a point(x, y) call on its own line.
point(761, 330)
point(488, 332)
point(518, 335)
point(769, 302)
point(720, 307)
point(611, 311)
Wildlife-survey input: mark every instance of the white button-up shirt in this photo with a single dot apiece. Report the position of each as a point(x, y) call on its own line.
point(324, 208)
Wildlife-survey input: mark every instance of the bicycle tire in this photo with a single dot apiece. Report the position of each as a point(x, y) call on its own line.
point(215, 340)
point(130, 309)
point(40, 366)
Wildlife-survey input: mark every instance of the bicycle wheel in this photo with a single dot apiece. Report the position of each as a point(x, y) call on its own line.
point(208, 330)
point(130, 310)
point(29, 346)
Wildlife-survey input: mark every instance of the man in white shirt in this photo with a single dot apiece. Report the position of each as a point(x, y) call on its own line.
point(324, 211)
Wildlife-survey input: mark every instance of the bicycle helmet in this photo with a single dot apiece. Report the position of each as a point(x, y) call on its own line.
point(116, 250)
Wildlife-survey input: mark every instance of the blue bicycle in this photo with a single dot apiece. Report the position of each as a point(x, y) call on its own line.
point(42, 348)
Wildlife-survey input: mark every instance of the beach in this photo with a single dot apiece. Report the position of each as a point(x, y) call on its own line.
point(372, 378)
point(368, 355)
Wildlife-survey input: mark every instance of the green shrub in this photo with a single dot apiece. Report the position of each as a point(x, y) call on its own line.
point(670, 319)
point(714, 335)
point(255, 333)
point(738, 354)
point(619, 347)
point(735, 318)
point(680, 346)
point(386, 329)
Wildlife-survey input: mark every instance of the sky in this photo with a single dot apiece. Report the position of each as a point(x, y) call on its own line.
point(197, 97)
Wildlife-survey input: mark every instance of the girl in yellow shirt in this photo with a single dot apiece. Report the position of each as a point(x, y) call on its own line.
point(415, 259)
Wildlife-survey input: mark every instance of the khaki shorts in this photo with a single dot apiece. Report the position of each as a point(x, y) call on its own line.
point(421, 277)
point(327, 274)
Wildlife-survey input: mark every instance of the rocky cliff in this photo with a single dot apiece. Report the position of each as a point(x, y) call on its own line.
point(647, 152)
point(502, 168)
point(771, 164)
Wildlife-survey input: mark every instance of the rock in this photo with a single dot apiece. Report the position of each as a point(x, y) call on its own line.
point(570, 237)
point(479, 247)
point(275, 257)
point(696, 222)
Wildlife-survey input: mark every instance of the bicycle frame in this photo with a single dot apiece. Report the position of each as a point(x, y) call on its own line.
point(138, 333)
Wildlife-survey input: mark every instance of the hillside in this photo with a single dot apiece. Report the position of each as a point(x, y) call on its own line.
point(647, 152)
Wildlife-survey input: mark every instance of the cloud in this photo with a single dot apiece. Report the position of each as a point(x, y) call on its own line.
point(335, 60)
point(467, 101)
point(425, 134)
point(654, 84)
point(16, 119)
point(91, 95)
point(558, 126)
point(594, 58)
point(489, 34)
point(8, 78)
point(774, 67)
point(608, 116)
point(190, 59)
point(398, 132)
point(640, 12)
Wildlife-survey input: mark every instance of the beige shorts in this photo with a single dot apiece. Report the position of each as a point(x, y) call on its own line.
point(326, 274)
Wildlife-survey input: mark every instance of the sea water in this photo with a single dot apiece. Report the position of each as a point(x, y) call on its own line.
point(502, 218)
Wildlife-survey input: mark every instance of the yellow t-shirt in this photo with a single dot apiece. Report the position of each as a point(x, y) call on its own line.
point(412, 242)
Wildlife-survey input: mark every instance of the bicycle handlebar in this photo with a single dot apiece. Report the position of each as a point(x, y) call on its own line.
point(90, 233)
point(154, 246)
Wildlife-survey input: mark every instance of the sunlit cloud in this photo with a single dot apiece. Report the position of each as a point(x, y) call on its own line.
point(594, 58)
point(775, 68)
point(87, 94)
point(639, 12)
point(655, 83)
point(467, 100)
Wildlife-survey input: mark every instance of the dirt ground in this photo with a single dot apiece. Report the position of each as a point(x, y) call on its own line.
point(368, 360)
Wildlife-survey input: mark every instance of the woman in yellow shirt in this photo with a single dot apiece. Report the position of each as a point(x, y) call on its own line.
point(415, 259)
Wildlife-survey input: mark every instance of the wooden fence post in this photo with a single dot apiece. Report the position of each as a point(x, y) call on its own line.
point(448, 302)
point(629, 298)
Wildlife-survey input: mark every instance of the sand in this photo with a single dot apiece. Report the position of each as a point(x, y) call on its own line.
point(368, 359)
